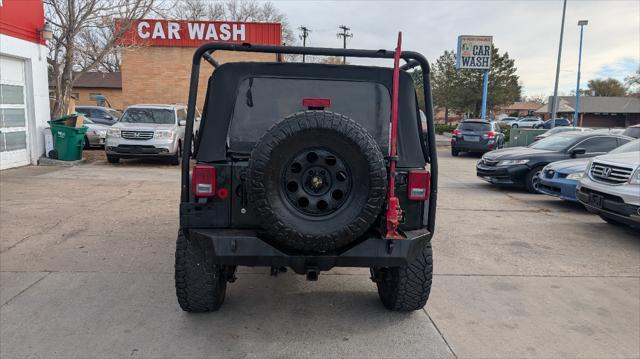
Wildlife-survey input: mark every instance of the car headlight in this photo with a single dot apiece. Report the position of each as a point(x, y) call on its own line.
point(635, 178)
point(164, 134)
point(512, 162)
point(101, 133)
point(575, 175)
point(113, 132)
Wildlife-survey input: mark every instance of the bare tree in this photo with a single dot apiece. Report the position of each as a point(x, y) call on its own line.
point(85, 38)
point(233, 10)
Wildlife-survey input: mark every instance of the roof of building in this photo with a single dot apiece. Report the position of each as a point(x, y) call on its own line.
point(523, 106)
point(596, 104)
point(95, 79)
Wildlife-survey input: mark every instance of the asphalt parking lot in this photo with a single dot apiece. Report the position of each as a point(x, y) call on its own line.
point(86, 261)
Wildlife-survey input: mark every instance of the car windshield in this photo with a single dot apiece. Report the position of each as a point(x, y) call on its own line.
point(116, 114)
point(554, 143)
point(627, 147)
point(148, 115)
point(474, 126)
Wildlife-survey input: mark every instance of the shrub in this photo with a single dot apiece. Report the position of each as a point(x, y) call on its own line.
point(444, 127)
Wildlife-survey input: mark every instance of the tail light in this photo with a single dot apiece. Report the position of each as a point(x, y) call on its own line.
point(456, 132)
point(313, 103)
point(490, 135)
point(419, 185)
point(203, 181)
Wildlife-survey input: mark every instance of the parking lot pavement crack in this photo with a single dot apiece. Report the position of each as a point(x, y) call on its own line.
point(24, 290)
point(25, 238)
point(440, 333)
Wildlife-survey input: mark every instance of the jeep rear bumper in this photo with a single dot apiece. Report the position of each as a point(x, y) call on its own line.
point(244, 248)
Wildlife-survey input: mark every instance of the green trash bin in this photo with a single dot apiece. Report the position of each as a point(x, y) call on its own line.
point(67, 141)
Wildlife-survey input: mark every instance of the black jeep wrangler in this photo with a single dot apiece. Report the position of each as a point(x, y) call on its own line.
point(291, 170)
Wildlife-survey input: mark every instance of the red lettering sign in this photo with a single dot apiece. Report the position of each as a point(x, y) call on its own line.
point(195, 33)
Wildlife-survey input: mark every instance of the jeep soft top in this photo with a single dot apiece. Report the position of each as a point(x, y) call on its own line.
point(293, 168)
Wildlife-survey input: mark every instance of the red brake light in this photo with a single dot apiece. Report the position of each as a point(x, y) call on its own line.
point(316, 102)
point(491, 134)
point(203, 181)
point(456, 132)
point(419, 185)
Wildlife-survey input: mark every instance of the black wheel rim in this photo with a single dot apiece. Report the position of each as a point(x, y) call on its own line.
point(316, 182)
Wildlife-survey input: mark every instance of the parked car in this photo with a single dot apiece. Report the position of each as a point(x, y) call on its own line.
point(527, 122)
point(476, 136)
point(632, 131)
point(148, 131)
point(558, 122)
point(611, 188)
point(100, 115)
point(561, 129)
point(289, 173)
point(95, 135)
point(507, 121)
point(559, 179)
point(521, 166)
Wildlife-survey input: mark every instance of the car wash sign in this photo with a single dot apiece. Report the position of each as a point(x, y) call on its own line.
point(183, 33)
point(474, 52)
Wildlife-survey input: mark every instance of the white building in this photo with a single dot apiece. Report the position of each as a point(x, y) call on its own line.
point(24, 93)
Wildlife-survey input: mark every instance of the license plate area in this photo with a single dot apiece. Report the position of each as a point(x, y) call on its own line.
point(595, 200)
point(472, 138)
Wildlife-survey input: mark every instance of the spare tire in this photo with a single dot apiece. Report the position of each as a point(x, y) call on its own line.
point(317, 181)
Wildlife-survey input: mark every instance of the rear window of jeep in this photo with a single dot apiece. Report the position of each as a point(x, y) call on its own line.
point(263, 101)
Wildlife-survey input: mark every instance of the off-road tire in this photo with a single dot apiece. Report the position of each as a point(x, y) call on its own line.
point(200, 286)
point(282, 221)
point(113, 159)
point(405, 289)
point(529, 179)
point(454, 153)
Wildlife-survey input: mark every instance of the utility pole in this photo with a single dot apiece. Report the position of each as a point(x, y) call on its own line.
point(344, 35)
point(305, 34)
point(554, 105)
point(582, 24)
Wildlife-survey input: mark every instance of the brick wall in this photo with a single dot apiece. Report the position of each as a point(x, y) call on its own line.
point(114, 96)
point(161, 74)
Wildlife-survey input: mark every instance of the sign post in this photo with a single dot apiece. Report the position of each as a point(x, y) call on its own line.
point(474, 52)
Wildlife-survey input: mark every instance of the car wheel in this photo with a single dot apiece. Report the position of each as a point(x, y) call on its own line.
point(86, 143)
point(317, 181)
point(532, 180)
point(611, 221)
point(113, 159)
point(175, 159)
point(406, 288)
point(200, 285)
point(454, 152)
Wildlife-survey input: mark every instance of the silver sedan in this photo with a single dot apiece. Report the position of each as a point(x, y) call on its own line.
point(96, 133)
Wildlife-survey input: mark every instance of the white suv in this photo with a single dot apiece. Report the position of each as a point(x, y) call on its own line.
point(610, 187)
point(148, 131)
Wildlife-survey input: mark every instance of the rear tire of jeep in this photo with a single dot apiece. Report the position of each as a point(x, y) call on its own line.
point(454, 153)
point(200, 287)
point(404, 289)
point(113, 159)
point(317, 181)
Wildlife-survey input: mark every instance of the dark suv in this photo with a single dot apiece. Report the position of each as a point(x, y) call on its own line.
point(476, 136)
point(291, 171)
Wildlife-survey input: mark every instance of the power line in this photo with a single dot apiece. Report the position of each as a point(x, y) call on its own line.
point(344, 35)
point(305, 34)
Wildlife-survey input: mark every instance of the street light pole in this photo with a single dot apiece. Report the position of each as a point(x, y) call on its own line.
point(554, 105)
point(582, 24)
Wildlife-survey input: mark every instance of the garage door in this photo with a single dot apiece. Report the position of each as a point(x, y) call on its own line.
point(14, 146)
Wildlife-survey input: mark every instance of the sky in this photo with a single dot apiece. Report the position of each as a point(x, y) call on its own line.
point(528, 30)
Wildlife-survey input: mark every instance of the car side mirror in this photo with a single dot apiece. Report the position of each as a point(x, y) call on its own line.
point(182, 123)
point(577, 151)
